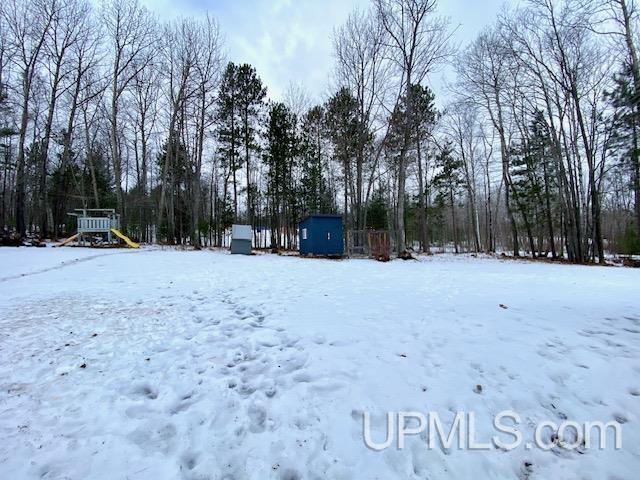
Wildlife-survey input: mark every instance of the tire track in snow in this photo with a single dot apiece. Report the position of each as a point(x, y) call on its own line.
point(62, 265)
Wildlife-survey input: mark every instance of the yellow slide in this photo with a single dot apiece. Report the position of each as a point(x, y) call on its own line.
point(127, 240)
point(68, 240)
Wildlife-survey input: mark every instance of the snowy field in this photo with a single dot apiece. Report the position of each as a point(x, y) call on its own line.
point(156, 364)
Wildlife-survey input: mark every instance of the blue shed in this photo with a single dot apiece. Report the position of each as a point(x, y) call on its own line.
point(322, 235)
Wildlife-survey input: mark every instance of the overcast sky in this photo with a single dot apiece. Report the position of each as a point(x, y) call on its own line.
point(289, 41)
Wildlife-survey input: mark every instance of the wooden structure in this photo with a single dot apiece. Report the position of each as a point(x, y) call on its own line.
point(98, 226)
point(379, 245)
point(93, 222)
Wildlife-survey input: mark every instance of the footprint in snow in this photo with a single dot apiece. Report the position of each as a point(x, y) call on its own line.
point(269, 389)
point(476, 367)
point(137, 412)
point(182, 404)
point(327, 386)
point(189, 461)
point(154, 439)
point(290, 474)
point(257, 418)
point(146, 390)
point(246, 389)
point(620, 418)
point(302, 377)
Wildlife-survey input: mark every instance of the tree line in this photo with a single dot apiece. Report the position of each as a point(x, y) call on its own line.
point(532, 148)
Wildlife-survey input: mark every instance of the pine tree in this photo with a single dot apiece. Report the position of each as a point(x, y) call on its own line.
point(279, 158)
point(229, 130)
point(377, 211)
point(250, 97)
point(178, 218)
point(533, 175)
point(315, 193)
point(448, 184)
point(344, 130)
point(424, 116)
point(626, 132)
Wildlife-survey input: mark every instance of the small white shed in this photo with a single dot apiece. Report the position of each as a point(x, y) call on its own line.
point(241, 239)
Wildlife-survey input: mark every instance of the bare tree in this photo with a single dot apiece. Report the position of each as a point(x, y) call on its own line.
point(130, 33)
point(579, 61)
point(180, 53)
point(208, 73)
point(93, 90)
point(145, 95)
point(297, 98)
point(82, 59)
point(7, 50)
point(462, 126)
point(419, 41)
point(484, 71)
point(360, 50)
point(28, 24)
point(67, 26)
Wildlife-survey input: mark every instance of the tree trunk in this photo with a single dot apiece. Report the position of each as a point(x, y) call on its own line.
point(195, 214)
point(548, 213)
point(66, 152)
point(454, 230)
point(115, 152)
point(506, 177)
point(422, 216)
point(44, 149)
point(593, 188)
point(20, 161)
point(402, 170)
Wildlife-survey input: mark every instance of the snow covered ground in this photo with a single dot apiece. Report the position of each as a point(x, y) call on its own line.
point(158, 364)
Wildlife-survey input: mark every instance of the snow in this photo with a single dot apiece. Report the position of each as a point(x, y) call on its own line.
point(164, 364)
point(242, 232)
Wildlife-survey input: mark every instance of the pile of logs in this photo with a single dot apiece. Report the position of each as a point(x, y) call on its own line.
point(12, 239)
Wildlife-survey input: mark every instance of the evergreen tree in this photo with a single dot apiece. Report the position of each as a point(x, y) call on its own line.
point(448, 184)
point(626, 131)
point(377, 211)
point(279, 158)
point(533, 181)
point(178, 219)
point(229, 130)
point(250, 97)
point(630, 244)
point(344, 128)
point(424, 116)
point(315, 193)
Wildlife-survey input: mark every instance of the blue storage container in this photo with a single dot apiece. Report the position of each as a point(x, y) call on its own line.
point(322, 235)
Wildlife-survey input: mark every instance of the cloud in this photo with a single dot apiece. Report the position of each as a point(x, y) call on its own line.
point(290, 41)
